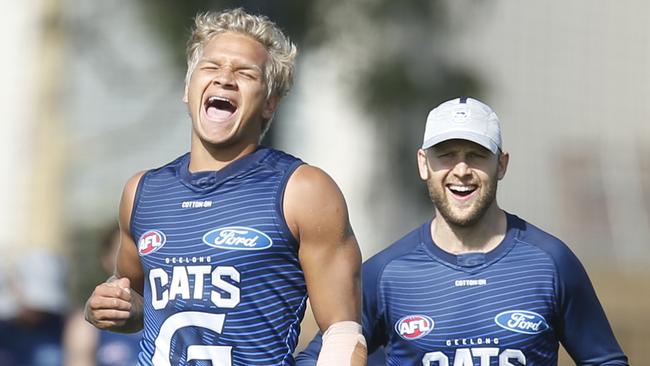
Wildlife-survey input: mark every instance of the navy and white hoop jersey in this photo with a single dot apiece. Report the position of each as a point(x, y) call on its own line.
point(511, 306)
point(223, 284)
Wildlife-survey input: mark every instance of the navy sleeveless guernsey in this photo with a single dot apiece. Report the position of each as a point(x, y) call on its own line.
point(222, 280)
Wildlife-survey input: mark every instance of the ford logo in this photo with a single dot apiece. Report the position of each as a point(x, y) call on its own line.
point(521, 321)
point(237, 238)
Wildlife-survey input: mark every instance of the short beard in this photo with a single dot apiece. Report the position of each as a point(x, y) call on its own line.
point(477, 211)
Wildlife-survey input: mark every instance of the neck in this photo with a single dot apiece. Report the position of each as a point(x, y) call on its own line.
point(482, 236)
point(204, 157)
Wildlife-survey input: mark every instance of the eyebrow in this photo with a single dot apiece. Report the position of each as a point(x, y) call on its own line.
point(236, 65)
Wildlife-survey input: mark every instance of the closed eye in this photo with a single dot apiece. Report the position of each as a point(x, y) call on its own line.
point(445, 155)
point(248, 74)
point(474, 155)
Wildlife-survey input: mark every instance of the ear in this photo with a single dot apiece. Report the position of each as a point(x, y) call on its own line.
point(423, 166)
point(270, 106)
point(185, 93)
point(504, 158)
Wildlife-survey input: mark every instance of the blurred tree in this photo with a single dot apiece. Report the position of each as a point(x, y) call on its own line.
point(174, 18)
point(405, 78)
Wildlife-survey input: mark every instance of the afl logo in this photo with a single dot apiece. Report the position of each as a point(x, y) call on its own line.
point(413, 327)
point(521, 321)
point(237, 238)
point(151, 241)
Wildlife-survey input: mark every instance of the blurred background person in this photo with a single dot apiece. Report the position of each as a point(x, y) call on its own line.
point(85, 345)
point(32, 334)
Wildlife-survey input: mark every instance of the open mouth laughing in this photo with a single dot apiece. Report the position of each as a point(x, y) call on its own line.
point(219, 108)
point(461, 191)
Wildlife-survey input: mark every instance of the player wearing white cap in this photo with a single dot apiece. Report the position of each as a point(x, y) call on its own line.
point(476, 285)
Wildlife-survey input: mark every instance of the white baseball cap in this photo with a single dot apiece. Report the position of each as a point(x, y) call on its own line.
point(463, 118)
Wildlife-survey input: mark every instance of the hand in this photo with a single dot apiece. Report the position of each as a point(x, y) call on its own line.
point(110, 304)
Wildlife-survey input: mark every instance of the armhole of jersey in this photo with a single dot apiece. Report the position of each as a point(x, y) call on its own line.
point(566, 263)
point(279, 205)
point(557, 284)
point(381, 309)
point(136, 200)
point(380, 317)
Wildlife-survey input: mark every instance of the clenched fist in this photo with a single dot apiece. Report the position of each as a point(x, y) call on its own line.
point(114, 306)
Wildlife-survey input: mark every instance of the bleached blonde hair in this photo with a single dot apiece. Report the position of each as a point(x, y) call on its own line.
point(279, 70)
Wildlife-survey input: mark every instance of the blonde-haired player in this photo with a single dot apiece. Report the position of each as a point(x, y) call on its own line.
point(220, 246)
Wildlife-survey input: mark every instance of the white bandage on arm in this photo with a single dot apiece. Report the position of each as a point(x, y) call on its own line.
point(343, 345)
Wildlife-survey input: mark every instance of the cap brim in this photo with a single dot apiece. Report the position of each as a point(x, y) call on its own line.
point(482, 140)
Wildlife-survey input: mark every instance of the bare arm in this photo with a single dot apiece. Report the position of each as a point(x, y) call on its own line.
point(117, 304)
point(79, 341)
point(329, 254)
point(127, 263)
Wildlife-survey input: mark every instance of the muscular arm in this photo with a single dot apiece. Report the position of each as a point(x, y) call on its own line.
point(317, 215)
point(373, 324)
point(117, 304)
point(127, 263)
point(309, 355)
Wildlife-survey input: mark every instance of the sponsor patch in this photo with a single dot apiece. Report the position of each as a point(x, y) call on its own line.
point(237, 238)
point(521, 321)
point(151, 241)
point(413, 327)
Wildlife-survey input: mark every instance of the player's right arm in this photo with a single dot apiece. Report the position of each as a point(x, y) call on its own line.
point(374, 329)
point(117, 304)
point(309, 355)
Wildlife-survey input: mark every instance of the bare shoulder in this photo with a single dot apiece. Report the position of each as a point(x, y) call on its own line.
point(308, 179)
point(131, 185)
point(311, 187)
point(128, 197)
point(313, 199)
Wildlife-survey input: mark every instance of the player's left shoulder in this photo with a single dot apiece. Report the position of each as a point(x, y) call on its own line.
point(544, 241)
point(309, 183)
point(312, 199)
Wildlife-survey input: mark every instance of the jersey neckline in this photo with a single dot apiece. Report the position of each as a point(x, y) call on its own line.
point(210, 179)
point(473, 260)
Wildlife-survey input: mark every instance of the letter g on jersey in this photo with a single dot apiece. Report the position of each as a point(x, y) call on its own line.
point(412, 327)
point(521, 321)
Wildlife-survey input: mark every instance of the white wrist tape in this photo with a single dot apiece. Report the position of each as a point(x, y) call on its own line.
point(343, 345)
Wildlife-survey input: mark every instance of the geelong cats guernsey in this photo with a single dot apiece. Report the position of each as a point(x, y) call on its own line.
point(511, 306)
point(508, 307)
point(222, 281)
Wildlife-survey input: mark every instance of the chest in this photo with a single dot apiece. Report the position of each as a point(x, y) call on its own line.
point(218, 247)
point(497, 316)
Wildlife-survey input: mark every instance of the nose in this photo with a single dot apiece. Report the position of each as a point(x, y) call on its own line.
point(224, 78)
point(462, 169)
